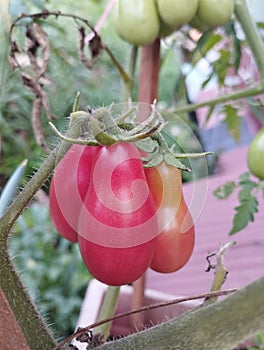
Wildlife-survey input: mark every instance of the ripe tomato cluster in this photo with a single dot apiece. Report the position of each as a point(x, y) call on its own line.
point(124, 217)
point(140, 22)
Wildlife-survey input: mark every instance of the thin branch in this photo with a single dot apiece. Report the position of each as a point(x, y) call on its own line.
point(240, 94)
point(222, 325)
point(81, 331)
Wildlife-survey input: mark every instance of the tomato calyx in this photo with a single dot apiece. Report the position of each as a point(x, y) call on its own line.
point(105, 127)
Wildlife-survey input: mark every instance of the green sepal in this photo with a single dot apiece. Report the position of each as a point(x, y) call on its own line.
point(101, 136)
point(150, 162)
point(170, 159)
point(147, 145)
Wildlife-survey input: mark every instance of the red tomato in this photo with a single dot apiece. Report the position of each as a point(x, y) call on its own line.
point(117, 224)
point(176, 239)
point(68, 189)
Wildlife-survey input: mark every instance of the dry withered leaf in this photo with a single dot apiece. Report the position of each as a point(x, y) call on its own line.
point(38, 91)
point(43, 41)
point(96, 47)
point(37, 38)
point(36, 122)
point(81, 45)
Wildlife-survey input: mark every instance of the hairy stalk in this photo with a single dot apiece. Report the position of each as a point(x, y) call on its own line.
point(34, 328)
point(221, 325)
point(107, 310)
point(30, 321)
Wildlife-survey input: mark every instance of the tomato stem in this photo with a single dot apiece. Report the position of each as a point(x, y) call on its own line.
point(107, 310)
point(252, 34)
point(129, 84)
point(240, 94)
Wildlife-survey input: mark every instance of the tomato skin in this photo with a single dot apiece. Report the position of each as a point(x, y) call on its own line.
point(117, 224)
point(175, 242)
point(68, 189)
point(255, 156)
point(175, 13)
point(116, 266)
point(137, 21)
point(214, 13)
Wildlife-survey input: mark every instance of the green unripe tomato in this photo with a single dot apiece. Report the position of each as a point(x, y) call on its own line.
point(214, 13)
point(137, 21)
point(165, 29)
point(255, 156)
point(175, 13)
point(197, 24)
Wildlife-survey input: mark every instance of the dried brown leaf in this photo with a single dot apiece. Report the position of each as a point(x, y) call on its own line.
point(32, 46)
point(81, 45)
point(43, 41)
point(36, 123)
point(37, 39)
point(96, 47)
point(38, 91)
point(46, 104)
point(31, 83)
point(12, 55)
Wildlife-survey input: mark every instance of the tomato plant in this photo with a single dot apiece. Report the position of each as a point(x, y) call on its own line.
point(175, 241)
point(255, 157)
point(175, 13)
point(214, 13)
point(137, 21)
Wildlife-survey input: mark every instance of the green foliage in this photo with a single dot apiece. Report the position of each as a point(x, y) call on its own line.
point(66, 75)
point(225, 190)
point(233, 121)
point(247, 197)
point(51, 269)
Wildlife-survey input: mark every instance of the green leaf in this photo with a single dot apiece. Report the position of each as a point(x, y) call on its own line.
point(209, 113)
point(244, 213)
point(231, 31)
point(244, 177)
point(207, 41)
point(260, 25)
point(225, 190)
point(222, 65)
point(233, 121)
point(11, 187)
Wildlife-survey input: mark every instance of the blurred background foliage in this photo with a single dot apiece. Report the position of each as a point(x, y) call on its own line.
point(51, 267)
point(66, 75)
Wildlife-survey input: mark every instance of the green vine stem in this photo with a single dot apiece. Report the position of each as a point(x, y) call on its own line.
point(252, 34)
point(238, 95)
point(129, 84)
point(33, 326)
point(221, 325)
point(107, 310)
